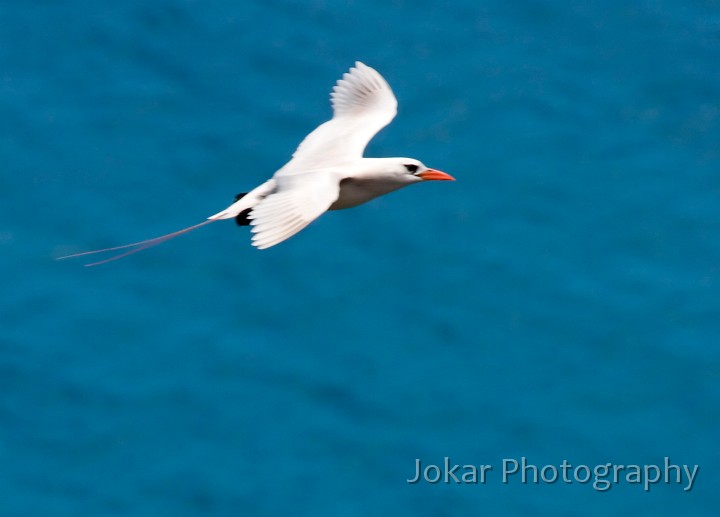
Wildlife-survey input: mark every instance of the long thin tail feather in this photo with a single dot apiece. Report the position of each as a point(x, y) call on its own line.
point(138, 246)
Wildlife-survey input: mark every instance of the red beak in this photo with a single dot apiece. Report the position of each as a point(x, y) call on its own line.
point(433, 174)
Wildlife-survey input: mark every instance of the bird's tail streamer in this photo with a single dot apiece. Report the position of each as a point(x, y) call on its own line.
point(135, 246)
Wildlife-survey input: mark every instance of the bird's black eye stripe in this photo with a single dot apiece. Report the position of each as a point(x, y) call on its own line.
point(411, 167)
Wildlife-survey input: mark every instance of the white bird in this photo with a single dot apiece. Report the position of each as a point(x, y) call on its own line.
point(326, 172)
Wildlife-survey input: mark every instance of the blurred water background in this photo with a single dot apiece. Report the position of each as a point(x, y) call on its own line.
point(559, 301)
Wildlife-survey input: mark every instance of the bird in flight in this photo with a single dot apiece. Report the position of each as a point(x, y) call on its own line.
point(326, 172)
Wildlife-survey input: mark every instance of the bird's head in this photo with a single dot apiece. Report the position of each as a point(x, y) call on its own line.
point(410, 170)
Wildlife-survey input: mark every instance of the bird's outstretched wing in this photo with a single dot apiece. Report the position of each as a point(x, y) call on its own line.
point(363, 104)
point(298, 200)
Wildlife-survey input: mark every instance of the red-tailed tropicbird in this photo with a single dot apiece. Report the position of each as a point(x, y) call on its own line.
point(326, 172)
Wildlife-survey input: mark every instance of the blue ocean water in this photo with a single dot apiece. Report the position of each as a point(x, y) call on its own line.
point(558, 302)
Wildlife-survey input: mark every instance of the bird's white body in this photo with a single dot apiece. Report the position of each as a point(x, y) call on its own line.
point(327, 171)
point(367, 179)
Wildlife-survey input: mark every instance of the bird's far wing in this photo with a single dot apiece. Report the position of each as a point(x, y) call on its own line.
point(300, 198)
point(362, 92)
point(363, 104)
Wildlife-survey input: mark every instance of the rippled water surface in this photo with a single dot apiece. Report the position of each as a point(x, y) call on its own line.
point(558, 302)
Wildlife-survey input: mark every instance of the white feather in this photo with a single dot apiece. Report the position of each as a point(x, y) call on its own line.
point(363, 104)
point(299, 199)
